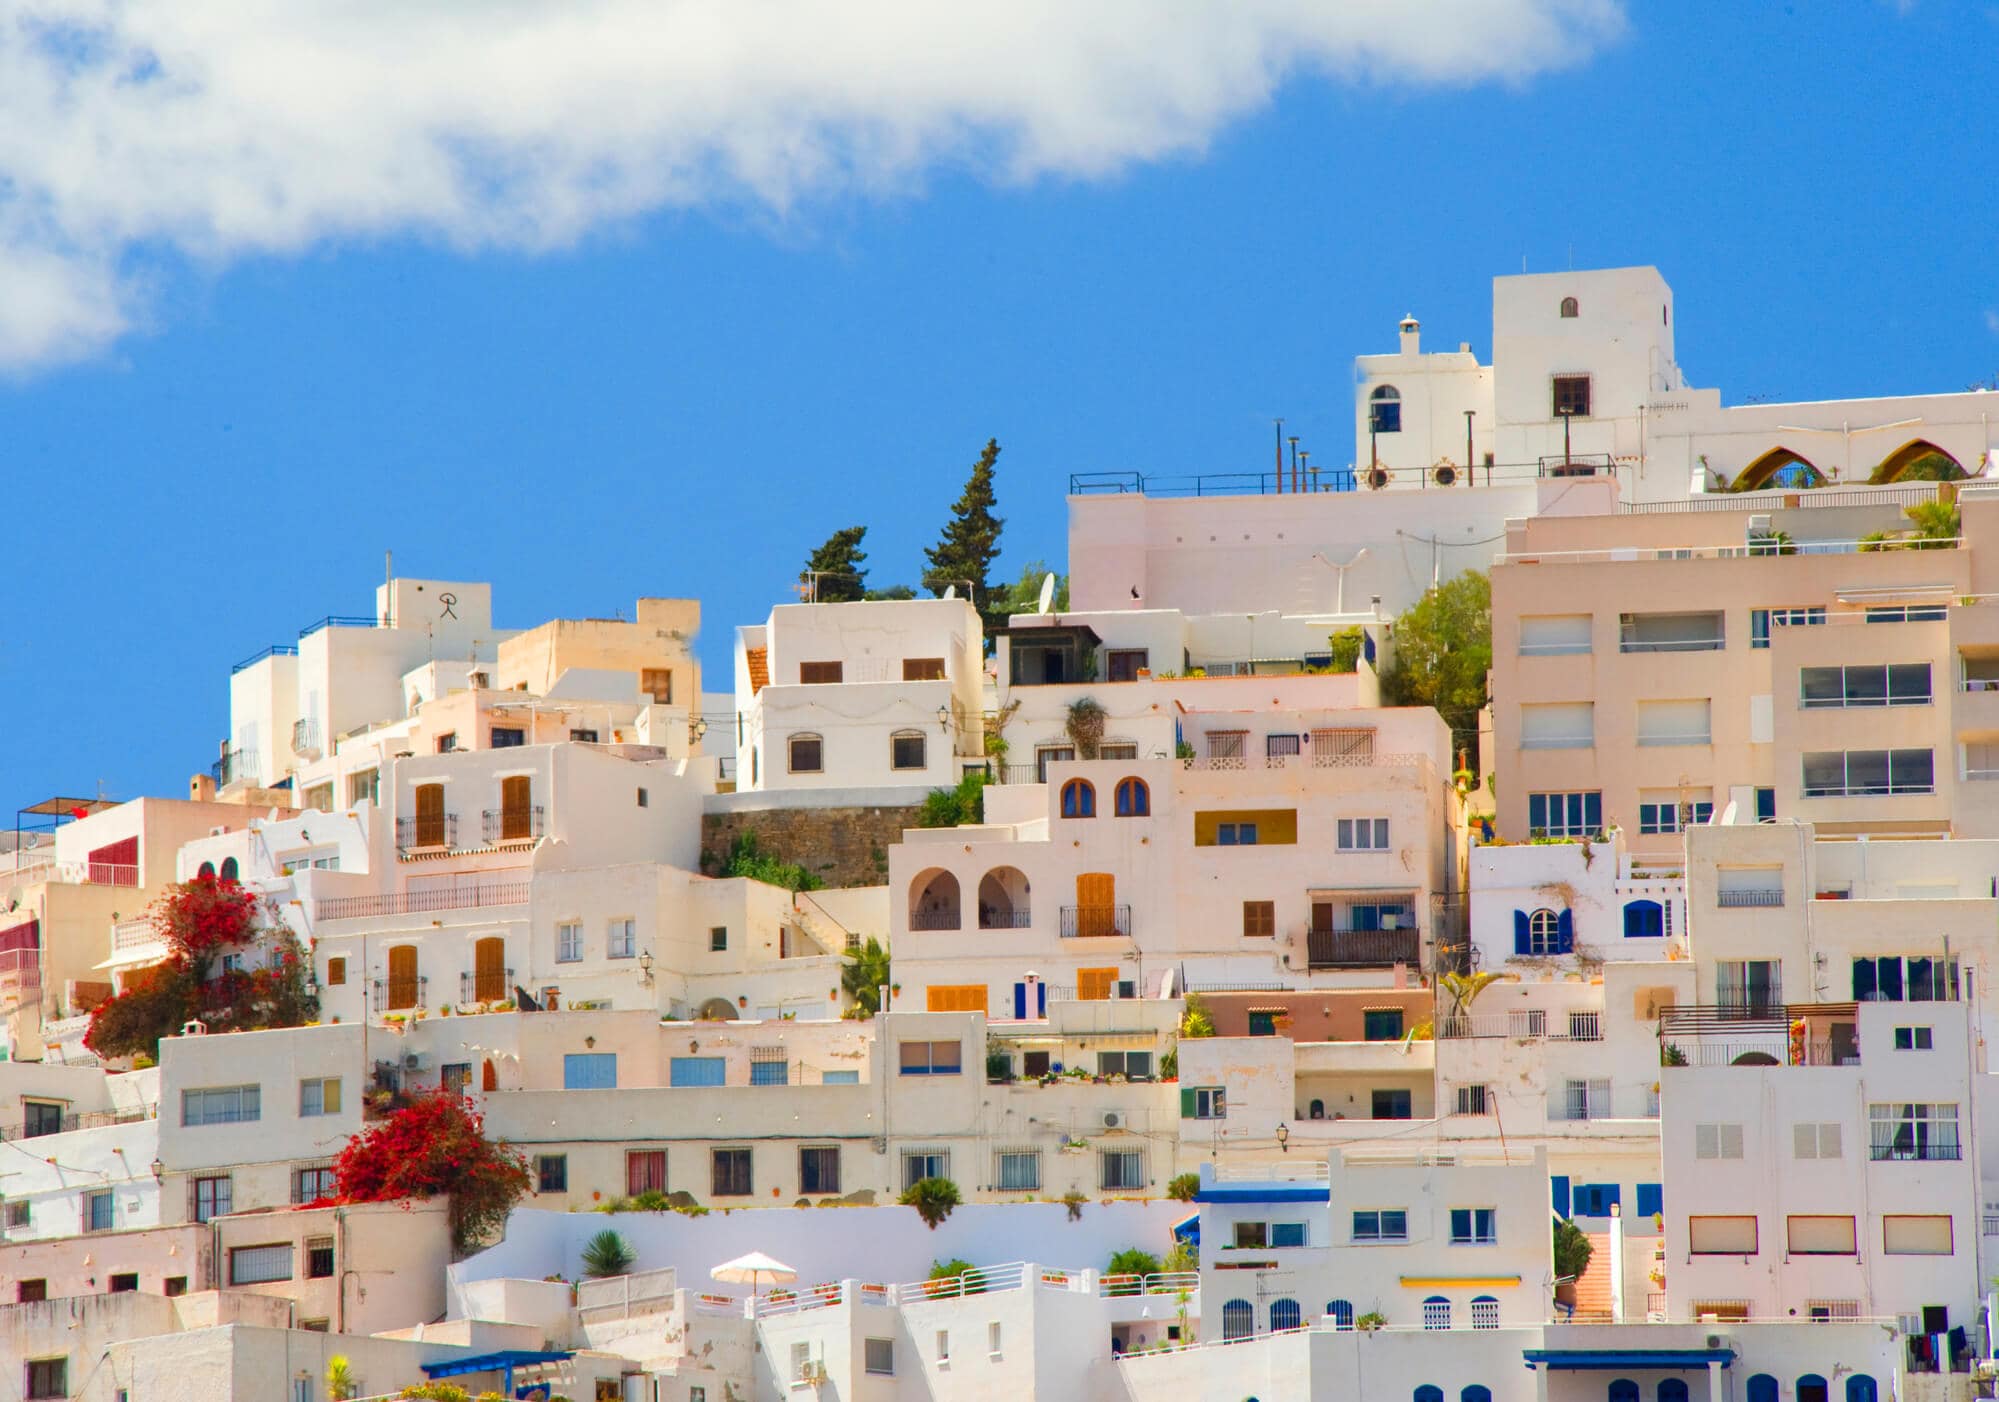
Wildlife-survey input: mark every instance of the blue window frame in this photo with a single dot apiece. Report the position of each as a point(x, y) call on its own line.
point(1235, 834)
point(1651, 1199)
point(1860, 1388)
point(1285, 1314)
point(100, 1212)
point(590, 1071)
point(1381, 1024)
point(770, 1073)
point(1384, 415)
point(697, 1071)
point(1474, 1226)
point(1644, 920)
point(1385, 1225)
point(1427, 1393)
point(1341, 1313)
point(1624, 1390)
point(1594, 1199)
point(1673, 1390)
point(1762, 1388)
point(839, 1078)
point(1578, 814)
point(1287, 1234)
point(1238, 1319)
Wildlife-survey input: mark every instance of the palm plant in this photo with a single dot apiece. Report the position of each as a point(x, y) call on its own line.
point(1465, 988)
point(340, 1383)
point(933, 1199)
point(863, 975)
point(607, 1254)
point(1935, 522)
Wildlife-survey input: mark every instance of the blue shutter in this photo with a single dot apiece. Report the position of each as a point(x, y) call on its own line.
point(1523, 942)
point(1367, 645)
point(1651, 1200)
point(590, 1071)
point(1560, 1184)
point(1863, 980)
point(1461, 1224)
point(1612, 1196)
point(1020, 1002)
point(697, 1071)
point(1565, 932)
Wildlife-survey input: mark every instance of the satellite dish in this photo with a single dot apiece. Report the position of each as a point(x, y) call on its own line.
point(950, 591)
point(1047, 593)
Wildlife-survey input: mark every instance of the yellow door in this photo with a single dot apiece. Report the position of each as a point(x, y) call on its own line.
point(402, 977)
point(1096, 904)
point(955, 998)
point(489, 959)
point(1095, 984)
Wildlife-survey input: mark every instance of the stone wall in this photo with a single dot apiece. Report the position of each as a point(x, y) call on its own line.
point(841, 846)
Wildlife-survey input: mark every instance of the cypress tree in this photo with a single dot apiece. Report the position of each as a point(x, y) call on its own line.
point(840, 566)
point(970, 542)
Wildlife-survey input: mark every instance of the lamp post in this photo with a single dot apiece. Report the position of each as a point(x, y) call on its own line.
point(1284, 1138)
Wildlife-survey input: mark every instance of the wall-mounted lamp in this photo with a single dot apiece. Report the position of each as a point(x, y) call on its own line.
point(696, 728)
point(1284, 1138)
point(943, 717)
point(159, 1170)
point(304, 836)
point(645, 969)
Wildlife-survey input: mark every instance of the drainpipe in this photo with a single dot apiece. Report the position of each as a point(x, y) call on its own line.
point(340, 1285)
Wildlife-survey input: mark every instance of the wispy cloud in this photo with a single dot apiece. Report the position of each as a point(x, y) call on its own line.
point(214, 129)
point(1992, 320)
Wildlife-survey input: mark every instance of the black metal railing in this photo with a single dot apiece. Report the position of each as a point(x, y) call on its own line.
point(1348, 949)
point(400, 994)
point(1213, 484)
point(1913, 1141)
point(935, 920)
point(235, 767)
point(1005, 919)
point(1096, 922)
point(416, 833)
point(512, 824)
point(470, 992)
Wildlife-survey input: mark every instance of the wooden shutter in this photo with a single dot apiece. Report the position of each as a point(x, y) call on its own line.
point(402, 976)
point(429, 815)
point(955, 998)
point(1095, 984)
point(515, 793)
point(490, 962)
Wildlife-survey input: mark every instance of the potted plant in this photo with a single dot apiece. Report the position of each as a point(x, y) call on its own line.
point(1572, 1252)
point(1371, 1321)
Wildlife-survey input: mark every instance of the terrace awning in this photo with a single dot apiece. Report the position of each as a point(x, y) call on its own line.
point(1570, 1360)
point(503, 1363)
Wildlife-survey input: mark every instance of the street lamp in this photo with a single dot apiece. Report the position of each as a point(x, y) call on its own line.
point(943, 717)
point(1284, 1138)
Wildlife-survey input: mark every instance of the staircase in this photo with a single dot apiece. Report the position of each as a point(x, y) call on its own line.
point(1593, 1286)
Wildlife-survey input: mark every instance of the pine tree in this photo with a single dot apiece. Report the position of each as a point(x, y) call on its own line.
point(837, 571)
point(971, 543)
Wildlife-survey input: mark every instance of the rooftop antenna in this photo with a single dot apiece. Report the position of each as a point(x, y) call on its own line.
point(1047, 599)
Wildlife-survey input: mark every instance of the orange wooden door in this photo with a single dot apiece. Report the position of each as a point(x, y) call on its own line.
point(489, 960)
point(515, 810)
point(429, 815)
point(1096, 904)
point(402, 977)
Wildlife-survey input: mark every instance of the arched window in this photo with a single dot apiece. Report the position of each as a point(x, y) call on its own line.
point(807, 754)
point(1644, 920)
point(1543, 932)
point(1285, 1314)
point(1238, 1319)
point(1436, 1313)
point(1341, 1313)
point(1762, 1388)
point(1860, 1388)
point(1484, 1312)
point(1318, 1110)
point(1384, 410)
point(207, 872)
point(1623, 1390)
point(1477, 1392)
point(908, 749)
point(1429, 1393)
point(1812, 1388)
point(1079, 799)
point(933, 900)
point(1570, 308)
point(1672, 1390)
point(1003, 900)
point(229, 869)
point(1134, 799)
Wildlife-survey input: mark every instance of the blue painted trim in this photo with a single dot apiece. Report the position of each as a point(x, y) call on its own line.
point(1576, 1359)
point(1264, 1195)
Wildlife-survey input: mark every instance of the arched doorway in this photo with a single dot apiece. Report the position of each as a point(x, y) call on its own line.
point(1918, 460)
point(716, 1010)
point(1755, 1058)
point(1780, 467)
point(933, 900)
point(1003, 900)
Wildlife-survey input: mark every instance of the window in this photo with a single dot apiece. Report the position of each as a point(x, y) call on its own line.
point(1287, 1234)
point(1721, 1236)
point(319, 1258)
point(1569, 308)
point(819, 1169)
point(365, 787)
point(1254, 1236)
point(923, 669)
point(1259, 919)
point(259, 1265)
point(1577, 814)
point(18, 1214)
point(1079, 799)
point(807, 754)
point(221, 1105)
point(1904, 1132)
point(1815, 1141)
point(48, 1377)
point(40, 1117)
point(993, 1338)
point(1285, 1315)
point(1475, 1100)
point(1905, 684)
point(1664, 812)
point(1544, 929)
point(1118, 749)
point(1474, 1226)
point(1820, 1236)
point(1675, 722)
point(551, 1173)
point(1134, 799)
point(879, 1357)
point(645, 1171)
point(1852, 773)
point(314, 1183)
point(644, 798)
point(590, 1071)
point(1912, 1039)
point(1123, 664)
point(1120, 1170)
point(944, 1347)
point(718, 938)
point(1484, 1315)
point(319, 1095)
point(1558, 725)
point(919, 1164)
point(97, 1212)
point(125, 1283)
point(686, 1071)
point(1363, 834)
point(1018, 1170)
point(1381, 1024)
point(1235, 834)
point(1384, 410)
point(1238, 1319)
point(31, 1292)
point(770, 1070)
point(455, 1077)
point(657, 682)
point(1203, 1103)
point(1555, 635)
point(621, 938)
point(1262, 1022)
point(1894, 979)
point(906, 750)
point(1748, 984)
point(1906, 613)
point(1132, 1065)
point(508, 737)
point(1436, 1313)
point(1585, 1100)
point(730, 1173)
point(1644, 920)
point(1387, 1224)
point(1916, 1235)
point(1718, 1141)
point(818, 673)
point(1390, 1104)
point(1594, 1199)
point(931, 1058)
point(569, 942)
point(1571, 396)
point(336, 971)
point(447, 743)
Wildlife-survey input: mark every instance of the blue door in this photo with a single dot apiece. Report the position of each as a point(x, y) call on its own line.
point(697, 1071)
point(1040, 1000)
point(590, 1071)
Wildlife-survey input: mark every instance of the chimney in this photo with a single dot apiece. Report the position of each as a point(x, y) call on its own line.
point(201, 788)
point(1411, 341)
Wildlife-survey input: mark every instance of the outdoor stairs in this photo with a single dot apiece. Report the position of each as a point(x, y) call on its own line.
point(1593, 1286)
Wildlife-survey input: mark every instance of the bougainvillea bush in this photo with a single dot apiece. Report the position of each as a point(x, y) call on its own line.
point(204, 917)
point(436, 1146)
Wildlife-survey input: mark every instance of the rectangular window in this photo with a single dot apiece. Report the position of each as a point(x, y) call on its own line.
point(1132, 1065)
point(1381, 1025)
point(1820, 1236)
point(1675, 722)
point(583, 736)
point(1387, 1224)
point(1905, 1132)
point(770, 1071)
point(508, 737)
point(365, 787)
point(931, 1058)
point(1571, 396)
point(1558, 725)
point(879, 1356)
point(1363, 834)
point(1123, 664)
point(819, 673)
point(319, 1258)
point(1766, 805)
point(1474, 1226)
point(568, 942)
point(807, 754)
point(31, 1292)
point(590, 1071)
point(1901, 684)
point(125, 1283)
point(925, 669)
point(39, 1117)
point(314, 1183)
point(849, 1077)
point(336, 972)
point(1203, 1103)
point(1019, 1170)
point(1259, 919)
point(455, 1077)
point(919, 1164)
point(718, 938)
point(1670, 810)
point(48, 1377)
point(621, 938)
point(1253, 1236)
point(1586, 1099)
point(1815, 1140)
point(1474, 1100)
point(259, 1265)
point(1390, 1104)
point(1761, 621)
point(1577, 814)
point(1857, 773)
point(907, 750)
point(97, 1212)
point(1235, 835)
point(1906, 613)
point(1283, 1234)
point(1721, 1236)
point(447, 743)
point(219, 1105)
point(1912, 1039)
point(1553, 635)
point(731, 1173)
point(319, 1095)
point(551, 1173)
point(1263, 1022)
point(819, 1169)
point(1718, 1141)
point(645, 1171)
point(657, 682)
point(1120, 1170)
point(1595, 1199)
point(1917, 1235)
point(18, 1214)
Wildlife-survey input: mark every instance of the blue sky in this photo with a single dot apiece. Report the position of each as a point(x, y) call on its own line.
point(684, 399)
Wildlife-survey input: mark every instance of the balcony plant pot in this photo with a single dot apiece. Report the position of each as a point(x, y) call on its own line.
point(1565, 1294)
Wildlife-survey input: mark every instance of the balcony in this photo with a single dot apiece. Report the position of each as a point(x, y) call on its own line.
point(1671, 632)
point(499, 985)
point(305, 738)
point(1757, 898)
point(436, 832)
point(512, 824)
point(1760, 1033)
point(466, 895)
point(1915, 1141)
point(1096, 922)
point(235, 767)
point(935, 920)
point(1522, 1024)
point(1359, 949)
point(401, 994)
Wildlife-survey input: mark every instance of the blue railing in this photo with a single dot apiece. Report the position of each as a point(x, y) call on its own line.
point(335, 620)
point(274, 650)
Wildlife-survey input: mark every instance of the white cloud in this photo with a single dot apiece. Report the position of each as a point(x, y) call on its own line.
point(1992, 320)
point(212, 129)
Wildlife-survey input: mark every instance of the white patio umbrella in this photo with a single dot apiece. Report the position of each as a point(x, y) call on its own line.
point(753, 1270)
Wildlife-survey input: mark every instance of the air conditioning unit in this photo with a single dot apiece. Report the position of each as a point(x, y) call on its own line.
point(1113, 1119)
point(414, 1061)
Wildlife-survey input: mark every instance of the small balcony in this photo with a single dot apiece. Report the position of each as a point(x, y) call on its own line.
point(305, 738)
point(512, 824)
point(1328, 948)
point(499, 984)
point(395, 995)
point(1755, 898)
point(1759, 1033)
point(235, 767)
point(935, 920)
point(1671, 632)
point(436, 832)
point(1096, 922)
